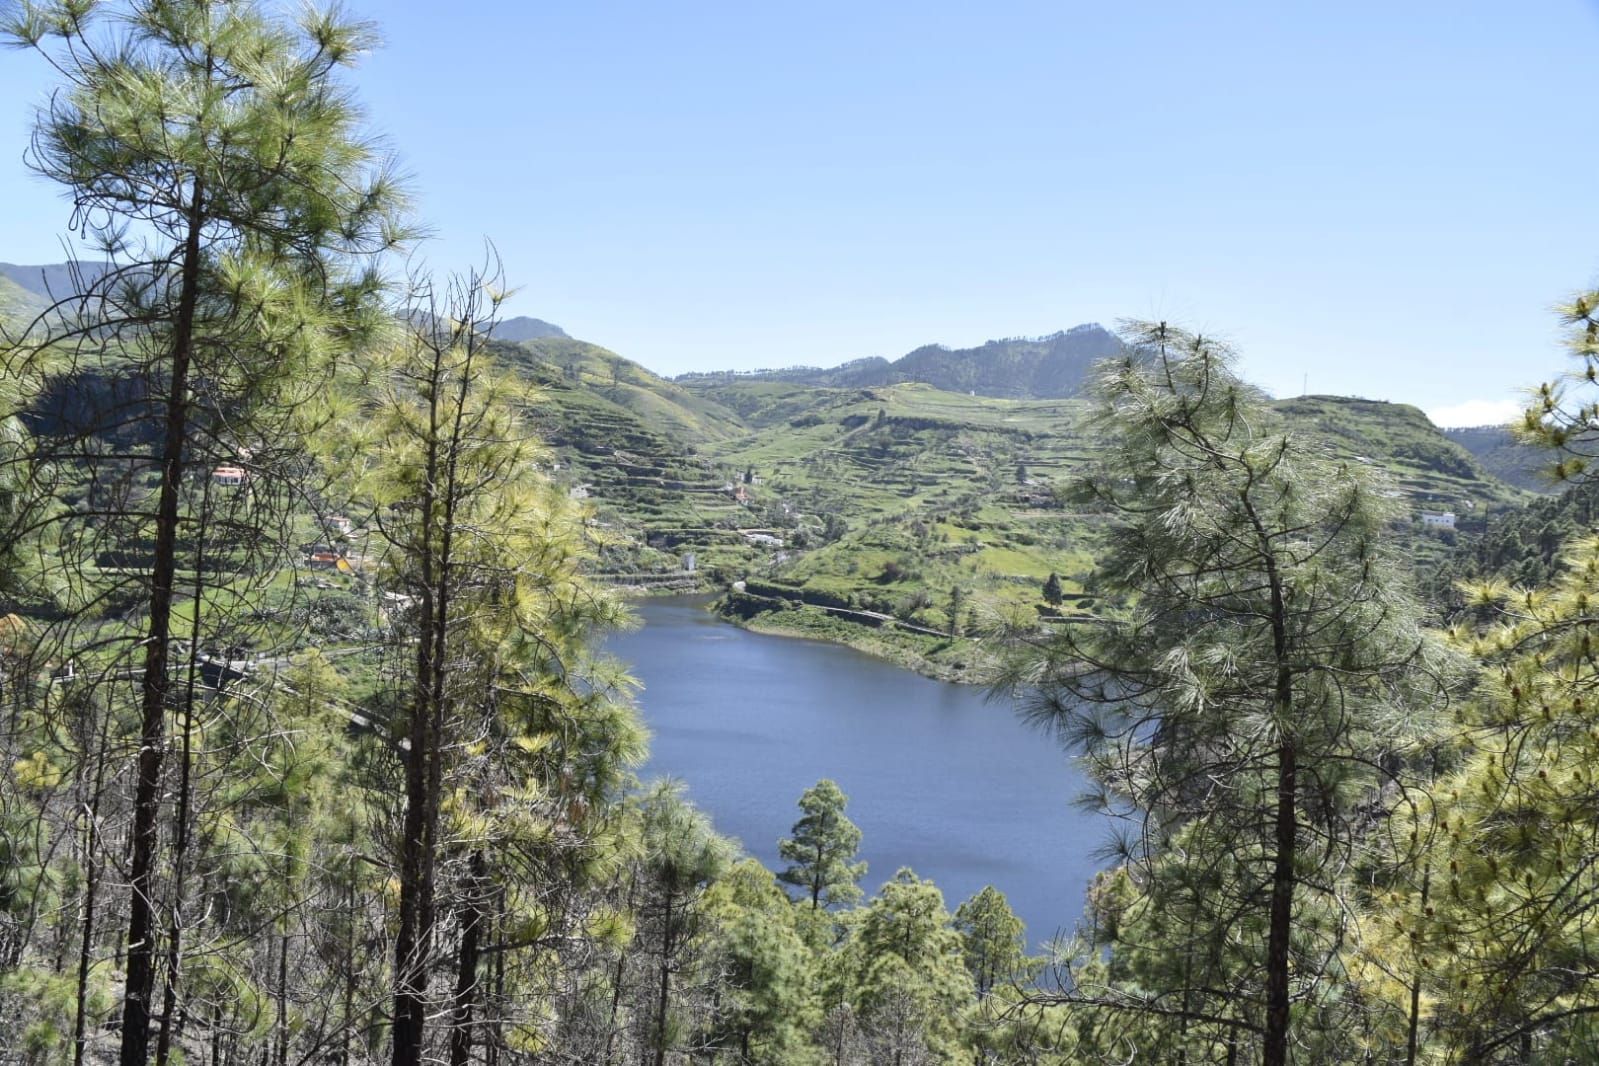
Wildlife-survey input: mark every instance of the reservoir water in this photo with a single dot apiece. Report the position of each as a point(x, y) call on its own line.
point(939, 778)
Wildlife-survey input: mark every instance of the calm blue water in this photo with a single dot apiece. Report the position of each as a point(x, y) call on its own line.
point(939, 780)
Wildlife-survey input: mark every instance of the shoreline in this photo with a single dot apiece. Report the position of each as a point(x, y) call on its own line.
point(956, 660)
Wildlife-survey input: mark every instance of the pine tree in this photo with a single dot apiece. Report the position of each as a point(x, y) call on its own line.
point(1481, 944)
point(768, 1003)
point(213, 158)
point(516, 742)
point(821, 853)
point(957, 599)
point(683, 856)
point(908, 984)
point(1260, 677)
point(1052, 590)
point(991, 939)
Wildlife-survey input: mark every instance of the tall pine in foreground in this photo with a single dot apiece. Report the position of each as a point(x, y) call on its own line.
point(1484, 947)
point(214, 159)
point(1260, 679)
point(1481, 943)
point(515, 739)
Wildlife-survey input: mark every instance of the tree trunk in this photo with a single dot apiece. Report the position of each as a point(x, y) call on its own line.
point(1282, 908)
point(620, 977)
point(424, 768)
point(169, 997)
point(495, 1036)
point(350, 969)
point(1413, 1036)
point(180, 848)
point(91, 885)
point(140, 978)
point(471, 952)
point(413, 944)
point(664, 994)
point(283, 979)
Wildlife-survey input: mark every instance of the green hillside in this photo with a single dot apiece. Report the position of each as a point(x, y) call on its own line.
point(890, 517)
point(596, 372)
point(16, 303)
point(1508, 459)
point(631, 443)
point(899, 517)
point(894, 498)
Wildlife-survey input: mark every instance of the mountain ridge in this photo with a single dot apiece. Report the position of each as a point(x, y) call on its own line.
point(523, 328)
point(52, 281)
point(1052, 367)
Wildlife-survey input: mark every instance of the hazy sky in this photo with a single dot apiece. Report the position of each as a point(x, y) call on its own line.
point(1386, 197)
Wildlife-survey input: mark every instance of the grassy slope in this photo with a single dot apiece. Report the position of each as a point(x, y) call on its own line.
point(18, 305)
point(943, 491)
point(885, 500)
point(1511, 461)
point(936, 492)
point(635, 444)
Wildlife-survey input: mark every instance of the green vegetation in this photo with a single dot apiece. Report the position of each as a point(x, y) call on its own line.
point(1513, 461)
point(307, 753)
point(1243, 558)
point(821, 852)
point(18, 304)
point(889, 500)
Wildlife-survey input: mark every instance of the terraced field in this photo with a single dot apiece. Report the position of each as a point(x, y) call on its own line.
point(899, 518)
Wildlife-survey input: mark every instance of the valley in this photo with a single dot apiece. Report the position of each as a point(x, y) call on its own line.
point(903, 519)
point(867, 506)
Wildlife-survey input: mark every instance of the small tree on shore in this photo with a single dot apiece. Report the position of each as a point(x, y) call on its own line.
point(821, 853)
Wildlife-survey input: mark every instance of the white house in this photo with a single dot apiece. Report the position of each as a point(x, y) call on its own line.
point(1446, 520)
point(228, 475)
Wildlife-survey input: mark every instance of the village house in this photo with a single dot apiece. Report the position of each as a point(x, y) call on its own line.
point(1445, 520)
point(229, 475)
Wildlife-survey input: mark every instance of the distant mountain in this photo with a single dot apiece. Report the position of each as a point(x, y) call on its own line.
point(1510, 460)
point(51, 280)
point(519, 329)
point(45, 281)
point(1017, 368)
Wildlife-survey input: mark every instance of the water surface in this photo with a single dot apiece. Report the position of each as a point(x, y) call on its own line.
point(939, 779)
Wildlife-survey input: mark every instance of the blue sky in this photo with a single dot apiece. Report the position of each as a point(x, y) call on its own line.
point(1386, 197)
